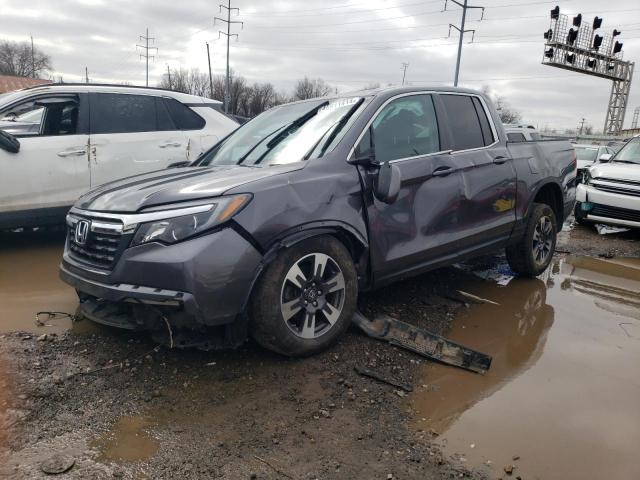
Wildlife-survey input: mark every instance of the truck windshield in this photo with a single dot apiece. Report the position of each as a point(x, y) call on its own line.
point(630, 153)
point(286, 134)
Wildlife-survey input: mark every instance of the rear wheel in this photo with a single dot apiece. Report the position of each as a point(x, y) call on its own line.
point(306, 298)
point(533, 253)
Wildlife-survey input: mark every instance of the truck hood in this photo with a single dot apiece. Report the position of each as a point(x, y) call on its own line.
point(174, 185)
point(616, 171)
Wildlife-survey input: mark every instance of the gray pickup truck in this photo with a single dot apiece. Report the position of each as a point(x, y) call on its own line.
point(274, 231)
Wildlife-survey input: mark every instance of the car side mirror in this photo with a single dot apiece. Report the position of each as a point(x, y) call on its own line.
point(387, 183)
point(8, 142)
point(184, 163)
point(605, 157)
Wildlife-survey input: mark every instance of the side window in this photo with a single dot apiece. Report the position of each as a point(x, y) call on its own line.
point(487, 134)
point(121, 113)
point(406, 127)
point(464, 122)
point(44, 116)
point(183, 117)
point(536, 136)
point(164, 119)
point(516, 137)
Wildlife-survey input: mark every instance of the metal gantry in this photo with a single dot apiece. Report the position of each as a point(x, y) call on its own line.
point(572, 44)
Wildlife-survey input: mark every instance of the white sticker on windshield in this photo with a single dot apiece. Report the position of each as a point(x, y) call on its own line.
point(343, 102)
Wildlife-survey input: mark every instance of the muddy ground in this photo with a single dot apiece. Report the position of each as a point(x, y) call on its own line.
point(114, 405)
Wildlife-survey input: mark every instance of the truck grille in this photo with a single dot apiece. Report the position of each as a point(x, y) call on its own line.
point(101, 246)
point(615, 213)
point(621, 187)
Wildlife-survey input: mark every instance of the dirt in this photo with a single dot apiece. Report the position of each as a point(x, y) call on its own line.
point(123, 408)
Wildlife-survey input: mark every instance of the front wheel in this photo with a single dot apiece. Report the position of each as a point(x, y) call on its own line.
point(533, 253)
point(306, 298)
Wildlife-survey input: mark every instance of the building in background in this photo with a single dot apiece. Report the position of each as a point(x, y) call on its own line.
point(9, 83)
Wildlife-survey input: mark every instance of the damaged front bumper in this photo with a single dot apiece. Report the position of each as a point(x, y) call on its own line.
point(609, 202)
point(195, 284)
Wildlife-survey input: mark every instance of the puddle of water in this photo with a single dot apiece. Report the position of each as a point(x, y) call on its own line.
point(563, 389)
point(29, 282)
point(127, 441)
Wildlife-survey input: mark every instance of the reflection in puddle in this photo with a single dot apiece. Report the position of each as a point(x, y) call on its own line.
point(127, 441)
point(563, 390)
point(29, 282)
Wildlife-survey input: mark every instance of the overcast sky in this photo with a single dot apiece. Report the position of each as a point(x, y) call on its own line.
point(348, 43)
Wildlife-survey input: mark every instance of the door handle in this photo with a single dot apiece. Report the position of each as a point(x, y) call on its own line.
point(499, 160)
point(72, 153)
point(442, 171)
point(170, 144)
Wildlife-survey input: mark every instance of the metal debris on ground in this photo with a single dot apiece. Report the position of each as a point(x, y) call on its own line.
point(383, 378)
point(476, 298)
point(52, 316)
point(607, 229)
point(57, 464)
point(423, 342)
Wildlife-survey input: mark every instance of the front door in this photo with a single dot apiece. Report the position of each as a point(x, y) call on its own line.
point(421, 226)
point(130, 135)
point(51, 169)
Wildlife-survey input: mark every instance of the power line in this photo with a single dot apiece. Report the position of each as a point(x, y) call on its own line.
point(405, 65)
point(146, 55)
point(228, 34)
point(461, 31)
point(33, 59)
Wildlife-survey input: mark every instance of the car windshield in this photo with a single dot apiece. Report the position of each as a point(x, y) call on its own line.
point(286, 134)
point(630, 153)
point(587, 154)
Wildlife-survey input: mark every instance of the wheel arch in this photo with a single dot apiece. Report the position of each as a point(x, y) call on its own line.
point(357, 246)
point(549, 193)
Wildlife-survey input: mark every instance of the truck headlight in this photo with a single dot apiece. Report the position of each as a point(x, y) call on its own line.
point(176, 227)
point(586, 176)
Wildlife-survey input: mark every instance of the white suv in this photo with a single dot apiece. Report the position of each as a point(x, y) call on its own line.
point(72, 138)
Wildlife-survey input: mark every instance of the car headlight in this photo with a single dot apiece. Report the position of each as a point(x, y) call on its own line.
point(175, 227)
point(586, 176)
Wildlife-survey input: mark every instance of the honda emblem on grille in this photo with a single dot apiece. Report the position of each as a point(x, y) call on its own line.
point(82, 232)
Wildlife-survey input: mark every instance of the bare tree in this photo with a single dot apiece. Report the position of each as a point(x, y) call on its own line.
point(506, 112)
point(311, 88)
point(16, 59)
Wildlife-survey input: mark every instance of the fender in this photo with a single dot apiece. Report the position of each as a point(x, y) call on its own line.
point(521, 222)
point(359, 248)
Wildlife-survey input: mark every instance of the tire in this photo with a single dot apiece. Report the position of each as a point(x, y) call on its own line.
point(308, 327)
point(533, 253)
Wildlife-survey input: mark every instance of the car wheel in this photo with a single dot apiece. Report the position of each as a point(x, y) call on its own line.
point(306, 298)
point(533, 253)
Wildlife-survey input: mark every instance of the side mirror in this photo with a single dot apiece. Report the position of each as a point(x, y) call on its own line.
point(387, 183)
point(184, 163)
point(8, 142)
point(605, 157)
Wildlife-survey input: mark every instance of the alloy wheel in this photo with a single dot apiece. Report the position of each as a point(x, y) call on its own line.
point(542, 240)
point(312, 295)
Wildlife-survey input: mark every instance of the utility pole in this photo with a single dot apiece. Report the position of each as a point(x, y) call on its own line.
point(581, 126)
point(33, 60)
point(210, 76)
point(146, 48)
point(169, 77)
point(405, 65)
point(461, 31)
point(228, 34)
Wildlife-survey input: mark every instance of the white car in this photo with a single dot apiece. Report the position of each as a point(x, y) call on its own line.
point(521, 133)
point(589, 155)
point(72, 138)
point(610, 193)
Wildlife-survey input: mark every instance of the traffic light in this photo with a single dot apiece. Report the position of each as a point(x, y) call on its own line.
point(577, 20)
point(597, 41)
point(548, 35)
point(555, 13)
point(592, 63)
point(616, 32)
point(617, 48)
point(571, 58)
point(549, 53)
point(571, 37)
point(597, 23)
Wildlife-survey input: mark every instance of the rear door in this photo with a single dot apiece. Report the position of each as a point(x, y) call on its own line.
point(421, 226)
point(131, 134)
point(51, 169)
point(487, 211)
